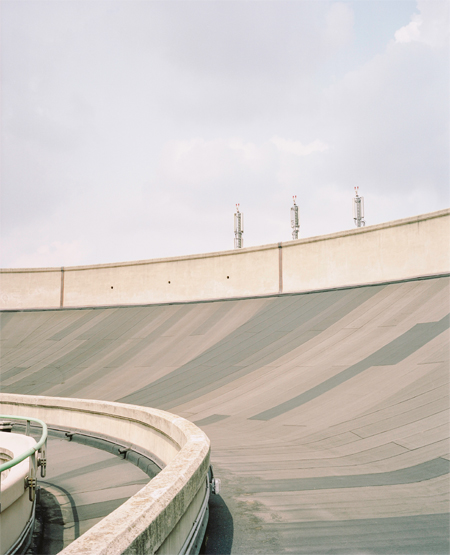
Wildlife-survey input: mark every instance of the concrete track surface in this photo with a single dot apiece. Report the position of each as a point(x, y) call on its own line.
point(327, 411)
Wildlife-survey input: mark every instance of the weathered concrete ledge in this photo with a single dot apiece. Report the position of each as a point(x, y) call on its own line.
point(402, 249)
point(160, 516)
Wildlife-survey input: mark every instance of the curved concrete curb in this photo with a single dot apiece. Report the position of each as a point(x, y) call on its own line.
point(161, 515)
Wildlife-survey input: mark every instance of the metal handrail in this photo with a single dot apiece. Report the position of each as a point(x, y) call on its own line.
point(16, 460)
point(40, 446)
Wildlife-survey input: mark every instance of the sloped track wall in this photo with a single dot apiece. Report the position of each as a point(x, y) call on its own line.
point(328, 412)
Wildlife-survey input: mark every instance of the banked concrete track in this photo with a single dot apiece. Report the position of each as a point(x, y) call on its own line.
point(327, 411)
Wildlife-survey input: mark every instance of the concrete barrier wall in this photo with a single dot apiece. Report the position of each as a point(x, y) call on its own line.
point(413, 247)
point(159, 516)
point(211, 276)
point(397, 250)
point(40, 288)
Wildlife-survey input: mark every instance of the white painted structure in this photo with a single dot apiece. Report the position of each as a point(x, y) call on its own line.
point(402, 249)
point(161, 516)
point(17, 510)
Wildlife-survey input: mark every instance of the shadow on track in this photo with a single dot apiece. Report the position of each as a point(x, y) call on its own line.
point(220, 530)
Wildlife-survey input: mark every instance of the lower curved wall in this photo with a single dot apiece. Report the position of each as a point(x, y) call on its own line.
point(161, 515)
point(17, 510)
point(402, 249)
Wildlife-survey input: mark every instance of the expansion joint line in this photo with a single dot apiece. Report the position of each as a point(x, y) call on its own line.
point(61, 298)
point(280, 268)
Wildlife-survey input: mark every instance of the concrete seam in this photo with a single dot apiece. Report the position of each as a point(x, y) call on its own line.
point(280, 268)
point(61, 298)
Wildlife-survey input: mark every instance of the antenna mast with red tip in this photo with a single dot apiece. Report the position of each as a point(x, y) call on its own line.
point(295, 220)
point(358, 209)
point(238, 228)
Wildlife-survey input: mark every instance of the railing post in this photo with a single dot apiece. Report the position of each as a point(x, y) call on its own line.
point(42, 460)
point(32, 481)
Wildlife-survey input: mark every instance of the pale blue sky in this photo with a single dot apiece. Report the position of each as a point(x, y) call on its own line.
point(131, 129)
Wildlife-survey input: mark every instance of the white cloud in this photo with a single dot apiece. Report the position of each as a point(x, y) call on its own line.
point(131, 129)
point(195, 162)
point(56, 253)
point(410, 32)
point(213, 164)
point(430, 26)
point(297, 148)
point(251, 154)
point(339, 22)
point(388, 121)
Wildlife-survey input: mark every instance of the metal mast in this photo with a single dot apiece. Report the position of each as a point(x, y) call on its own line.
point(295, 220)
point(238, 229)
point(358, 209)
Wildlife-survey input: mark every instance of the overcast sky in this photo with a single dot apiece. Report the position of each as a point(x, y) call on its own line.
point(130, 129)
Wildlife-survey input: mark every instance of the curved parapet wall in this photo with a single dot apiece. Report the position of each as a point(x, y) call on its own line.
point(161, 516)
point(402, 249)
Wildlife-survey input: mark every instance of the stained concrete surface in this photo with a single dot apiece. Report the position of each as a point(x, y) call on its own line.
point(327, 412)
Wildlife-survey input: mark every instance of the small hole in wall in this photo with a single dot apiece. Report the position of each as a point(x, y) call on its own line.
point(228, 277)
point(112, 287)
point(168, 282)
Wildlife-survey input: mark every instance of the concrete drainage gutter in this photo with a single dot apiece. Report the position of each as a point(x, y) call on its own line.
point(169, 514)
